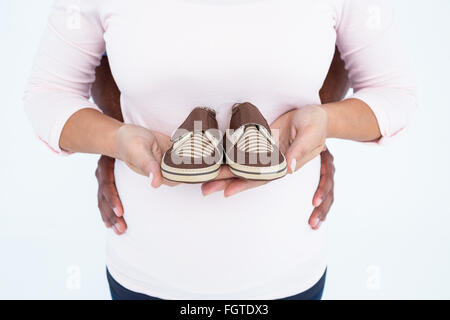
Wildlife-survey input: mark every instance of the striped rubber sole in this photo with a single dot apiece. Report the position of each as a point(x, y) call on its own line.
point(257, 173)
point(190, 175)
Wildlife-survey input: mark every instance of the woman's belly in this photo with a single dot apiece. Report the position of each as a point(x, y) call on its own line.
point(181, 244)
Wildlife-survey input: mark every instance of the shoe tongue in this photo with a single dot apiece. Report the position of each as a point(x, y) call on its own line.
point(246, 113)
point(200, 119)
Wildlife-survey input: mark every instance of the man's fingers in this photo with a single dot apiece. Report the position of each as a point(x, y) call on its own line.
point(324, 197)
point(315, 221)
point(326, 206)
point(326, 185)
point(110, 219)
point(240, 185)
point(112, 198)
point(320, 213)
point(108, 216)
point(109, 202)
point(120, 227)
point(215, 186)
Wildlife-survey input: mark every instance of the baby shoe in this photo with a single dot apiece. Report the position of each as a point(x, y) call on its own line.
point(197, 153)
point(250, 150)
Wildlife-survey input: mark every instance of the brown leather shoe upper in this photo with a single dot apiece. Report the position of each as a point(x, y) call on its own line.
point(245, 117)
point(199, 121)
point(245, 113)
point(205, 118)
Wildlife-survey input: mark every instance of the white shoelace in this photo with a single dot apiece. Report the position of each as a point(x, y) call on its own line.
point(196, 145)
point(254, 140)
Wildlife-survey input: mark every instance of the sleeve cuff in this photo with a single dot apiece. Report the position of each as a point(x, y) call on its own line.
point(390, 120)
point(56, 131)
point(50, 112)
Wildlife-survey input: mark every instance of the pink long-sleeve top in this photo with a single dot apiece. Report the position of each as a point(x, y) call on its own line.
point(169, 56)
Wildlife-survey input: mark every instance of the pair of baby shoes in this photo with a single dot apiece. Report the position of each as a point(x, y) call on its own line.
point(199, 149)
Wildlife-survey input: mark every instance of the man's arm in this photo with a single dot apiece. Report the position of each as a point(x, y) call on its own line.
point(336, 84)
point(105, 92)
point(335, 88)
point(106, 96)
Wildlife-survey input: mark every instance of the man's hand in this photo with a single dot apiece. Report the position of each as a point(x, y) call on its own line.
point(324, 196)
point(108, 199)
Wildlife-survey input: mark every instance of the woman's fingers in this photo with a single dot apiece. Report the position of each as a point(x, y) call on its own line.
point(170, 183)
point(240, 185)
point(308, 132)
point(155, 175)
point(225, 173)
point(220, 183)
point(215, 186)
point(150, 163)
point(305, 146)
point(300, 154)
point(230, 186)
point(139, 148)
point(149, 167)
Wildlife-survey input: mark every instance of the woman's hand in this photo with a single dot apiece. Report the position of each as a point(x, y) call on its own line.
point(142, 150)
point(301, 137)
point(109, 202)
point(290, 127)
point(307, 135)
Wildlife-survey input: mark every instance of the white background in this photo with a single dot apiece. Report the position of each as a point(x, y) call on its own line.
point(389, 228)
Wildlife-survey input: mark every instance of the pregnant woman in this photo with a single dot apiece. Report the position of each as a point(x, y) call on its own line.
point(169, 56)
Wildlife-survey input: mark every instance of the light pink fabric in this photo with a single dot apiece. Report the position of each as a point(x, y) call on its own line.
point(169, 56)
